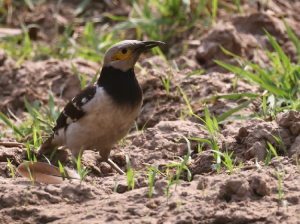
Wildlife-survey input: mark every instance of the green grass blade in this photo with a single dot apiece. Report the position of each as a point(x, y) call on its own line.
point(83, 82)
point(268, 157)
point(282, 55)
point(129, 174)
point(116, 186)
point(114, 18)
point(161, 54)
point(292, 37)
point(273, 150)
point(79, 165)
point(11, 168)
point(34, 136)
point(264, 75)
point(230, 96)
point(29, 4)
point(3, 134)
point(32, 176)
point(280, 143)
point(14, 116)
point(200, 140)
point(214, 9)
point(29, 108)
point(264, 104)
point(208, 121)
point(151, 181)
point(185, 159)
point(95, 76)
point(28, 150)
point(185, 99)
point(80, 8)
point(199, 72)
point(231, 54)
point(254, 78)
point(61, 170)
point(215, 122)
point(10, 124)
point(222, 117)
point(48, 161)
point(53, 153)
point(76, 72)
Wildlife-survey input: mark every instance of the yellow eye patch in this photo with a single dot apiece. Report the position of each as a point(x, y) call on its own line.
point(122, 55)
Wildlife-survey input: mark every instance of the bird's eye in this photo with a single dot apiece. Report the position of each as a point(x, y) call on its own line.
point(124, 51)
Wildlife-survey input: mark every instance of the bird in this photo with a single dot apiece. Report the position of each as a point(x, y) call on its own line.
point(102, 113)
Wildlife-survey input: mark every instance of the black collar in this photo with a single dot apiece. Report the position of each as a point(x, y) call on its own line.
point(123, 87)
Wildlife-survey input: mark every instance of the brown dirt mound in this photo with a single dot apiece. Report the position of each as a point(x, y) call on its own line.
point(247, 197)
point(32, 80)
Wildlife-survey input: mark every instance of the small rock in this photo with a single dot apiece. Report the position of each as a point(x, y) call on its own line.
point(160, 186)
point(202, 183)
point(290, 120)
point(236, 189)
point(260, 184)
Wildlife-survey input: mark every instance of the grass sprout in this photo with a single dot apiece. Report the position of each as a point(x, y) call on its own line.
point(280, 192)
point(280, 80)
point(130, 175)
point(184, 162)
point(198, 72)
point(11, 168)
point(166, 83)
point(185, 99)
point(81, 78)
point(151, 181)
point(116, 186)
point(268, 157)
point(179, 205)
point(82, 171)
point(170, 183)
point(26, 200)
point(61, 170)
point(31, 176)
point(180, 167)
point(41, 119)
point(277, 157)
point(279, 141)
point(227, 160)
point(211, 125)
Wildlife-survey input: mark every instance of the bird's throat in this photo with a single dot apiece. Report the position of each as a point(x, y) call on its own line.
point(123, 87)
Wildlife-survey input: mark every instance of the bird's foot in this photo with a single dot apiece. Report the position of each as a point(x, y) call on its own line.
point(115, 166)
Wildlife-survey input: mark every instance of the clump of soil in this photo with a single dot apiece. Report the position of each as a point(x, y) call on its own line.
point(32, 80)
point(248, 196)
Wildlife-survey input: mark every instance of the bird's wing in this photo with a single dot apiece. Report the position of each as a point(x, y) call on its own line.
point(73, 111)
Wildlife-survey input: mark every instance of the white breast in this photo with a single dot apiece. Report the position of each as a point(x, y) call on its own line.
point(103, 124)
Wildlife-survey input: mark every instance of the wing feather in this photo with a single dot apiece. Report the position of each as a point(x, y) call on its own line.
point(73, 111)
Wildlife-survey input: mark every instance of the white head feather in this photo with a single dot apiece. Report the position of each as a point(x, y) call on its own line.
point(134, 49)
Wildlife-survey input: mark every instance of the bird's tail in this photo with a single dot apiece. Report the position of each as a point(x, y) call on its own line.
point(45, 173)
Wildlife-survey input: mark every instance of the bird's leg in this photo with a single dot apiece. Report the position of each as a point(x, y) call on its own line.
point(104, 153)
point(115, 166)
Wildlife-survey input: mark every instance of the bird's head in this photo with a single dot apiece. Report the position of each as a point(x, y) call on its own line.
point(124, 54)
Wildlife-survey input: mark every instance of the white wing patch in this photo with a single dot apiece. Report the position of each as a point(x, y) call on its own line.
point(69, 120)
point(84, 100)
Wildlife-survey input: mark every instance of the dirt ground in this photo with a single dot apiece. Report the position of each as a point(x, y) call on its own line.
point(250, 195)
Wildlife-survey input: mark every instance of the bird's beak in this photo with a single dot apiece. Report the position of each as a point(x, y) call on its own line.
point(150, 44)
point(145, 45)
